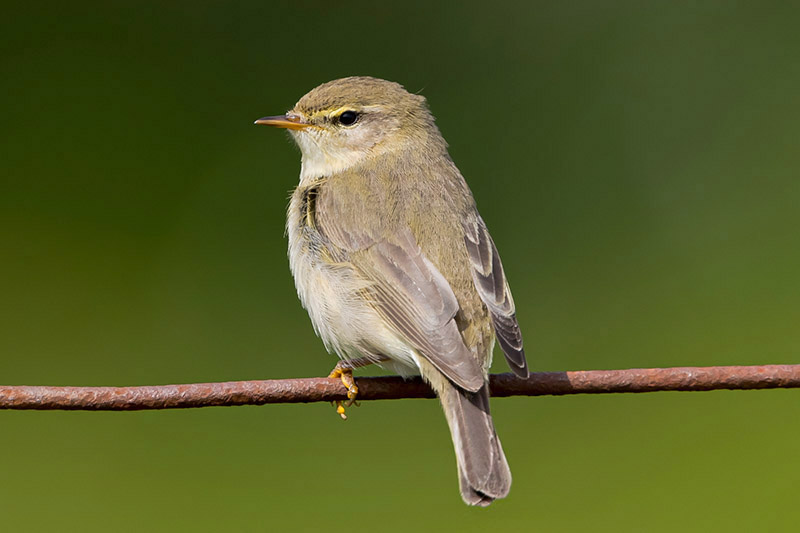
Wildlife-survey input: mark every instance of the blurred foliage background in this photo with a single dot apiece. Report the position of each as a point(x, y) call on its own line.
point(637, 163)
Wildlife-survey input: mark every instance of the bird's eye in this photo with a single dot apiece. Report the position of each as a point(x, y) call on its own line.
point(348, 118)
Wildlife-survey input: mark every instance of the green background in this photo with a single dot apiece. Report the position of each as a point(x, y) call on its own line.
point(637, 163)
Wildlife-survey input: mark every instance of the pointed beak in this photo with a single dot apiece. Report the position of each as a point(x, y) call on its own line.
point(292, 122)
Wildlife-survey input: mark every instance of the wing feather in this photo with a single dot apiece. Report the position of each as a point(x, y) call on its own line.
point(411, 293)
point(404, 286)
point(490, 281)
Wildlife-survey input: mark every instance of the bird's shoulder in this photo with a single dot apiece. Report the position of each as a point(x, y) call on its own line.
point(360, 206)
point(389, 202)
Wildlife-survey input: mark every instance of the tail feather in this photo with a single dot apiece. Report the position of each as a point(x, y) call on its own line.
point(484, 475)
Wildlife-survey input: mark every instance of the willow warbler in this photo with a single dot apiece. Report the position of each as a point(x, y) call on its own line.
point(393, 262)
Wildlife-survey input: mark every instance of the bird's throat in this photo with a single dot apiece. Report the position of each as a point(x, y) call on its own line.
point(321, 160)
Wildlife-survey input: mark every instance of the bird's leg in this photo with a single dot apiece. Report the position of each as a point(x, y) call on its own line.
point(344, 371)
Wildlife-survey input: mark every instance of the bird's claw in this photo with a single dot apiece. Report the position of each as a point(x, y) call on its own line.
point(346, 375)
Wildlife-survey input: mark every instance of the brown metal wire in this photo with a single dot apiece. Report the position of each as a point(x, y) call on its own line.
point(306, 390)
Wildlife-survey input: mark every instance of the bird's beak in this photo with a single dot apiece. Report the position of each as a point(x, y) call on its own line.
point(292, 122)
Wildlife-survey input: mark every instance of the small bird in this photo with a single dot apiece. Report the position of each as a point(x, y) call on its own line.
point(395, 265)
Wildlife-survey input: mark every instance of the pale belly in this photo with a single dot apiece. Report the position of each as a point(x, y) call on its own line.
point(333, 294)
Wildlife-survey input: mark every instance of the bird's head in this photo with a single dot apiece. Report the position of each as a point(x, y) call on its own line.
point(347, 121)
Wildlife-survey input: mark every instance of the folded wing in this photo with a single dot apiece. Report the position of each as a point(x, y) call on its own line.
point(490, 281)
point(407, 289)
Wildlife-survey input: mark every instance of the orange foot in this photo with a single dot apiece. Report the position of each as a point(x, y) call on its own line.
point(344, 372)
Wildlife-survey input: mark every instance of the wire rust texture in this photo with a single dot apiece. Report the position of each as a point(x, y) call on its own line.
point(306, 390)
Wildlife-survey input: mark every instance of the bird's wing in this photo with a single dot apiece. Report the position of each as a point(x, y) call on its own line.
point(409, 292)
point(490, 281)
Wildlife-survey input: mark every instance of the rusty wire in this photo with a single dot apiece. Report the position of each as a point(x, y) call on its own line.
point(306, 390)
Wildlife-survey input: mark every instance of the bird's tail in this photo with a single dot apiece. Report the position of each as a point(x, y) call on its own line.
point(483, 472)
